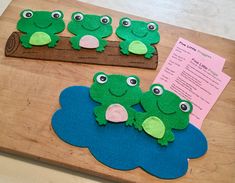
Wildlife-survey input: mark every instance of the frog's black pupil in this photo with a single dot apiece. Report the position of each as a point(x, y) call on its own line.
point(78, 17)
point(133, 81)
point(56, 15)
point(28, 14)
point(151, 27)
point(105, 20)
point(156, 90)
point(125, 22)
point(184, 107)
point(103, 78)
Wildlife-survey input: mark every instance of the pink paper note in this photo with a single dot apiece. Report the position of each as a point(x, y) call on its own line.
point(195, 74)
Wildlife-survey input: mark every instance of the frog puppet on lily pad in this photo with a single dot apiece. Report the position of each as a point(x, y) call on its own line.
point(138, 37)
point(164, 111)
point(40, 27)
point(89, 31)
point(116, 94)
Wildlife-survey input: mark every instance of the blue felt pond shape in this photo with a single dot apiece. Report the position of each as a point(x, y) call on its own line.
point(121, 147)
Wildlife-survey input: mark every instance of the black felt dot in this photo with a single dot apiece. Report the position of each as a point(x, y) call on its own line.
point(183, 107)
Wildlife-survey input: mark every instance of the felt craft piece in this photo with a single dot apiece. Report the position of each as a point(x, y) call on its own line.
point(137, 47)
point(121, 147)
point(172, 112)
point(64, 52)
point(154, 127)
point(40, 27)
point(116, 113)
point(138, 37)
point(89, 31)
point(115, 93)
point(89, 42)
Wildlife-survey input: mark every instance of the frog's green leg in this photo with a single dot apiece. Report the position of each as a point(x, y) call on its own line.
point(151, 51)
point(139, 119)
point(131, 117)
point(75, 42)
point(168, 137)
point(100, 115)
point(102, 44)
point(124, 47)
point(25, 40)
point(54, 40)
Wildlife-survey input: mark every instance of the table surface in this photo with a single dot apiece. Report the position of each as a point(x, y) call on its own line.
point(218, 165)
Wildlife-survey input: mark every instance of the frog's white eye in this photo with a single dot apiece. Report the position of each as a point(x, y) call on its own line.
point(78, 17)
point(101, 78)
point(131, 81)
point(151, 26)
point(27, 14)
point(157, 90)
point(184, 106)
point(105, 20)
point(56, 14)
point(126, 22)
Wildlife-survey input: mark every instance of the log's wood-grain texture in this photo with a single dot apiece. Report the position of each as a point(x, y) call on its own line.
point(64, 52)
point(29, 91)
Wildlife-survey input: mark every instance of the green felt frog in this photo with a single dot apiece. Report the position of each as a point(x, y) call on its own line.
point(164, 111)
point(90, 31)
point(138, 37)
point(40, 27)
point(116, 94)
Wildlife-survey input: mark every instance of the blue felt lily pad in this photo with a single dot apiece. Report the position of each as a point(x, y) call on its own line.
point(121, 147)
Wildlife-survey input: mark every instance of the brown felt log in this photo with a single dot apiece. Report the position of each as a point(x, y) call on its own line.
point(64, 52)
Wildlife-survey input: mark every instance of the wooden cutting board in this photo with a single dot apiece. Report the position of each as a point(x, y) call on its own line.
point(29, 91)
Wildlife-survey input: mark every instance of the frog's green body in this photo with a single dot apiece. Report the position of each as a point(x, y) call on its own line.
point(40, 27)
point(138, 37)
point(164, 111)
point(90, 31)
point(116, 94)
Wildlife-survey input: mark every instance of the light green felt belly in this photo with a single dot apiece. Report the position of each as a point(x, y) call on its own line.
point(154, 127)
point(40, 38)
point(137, 47)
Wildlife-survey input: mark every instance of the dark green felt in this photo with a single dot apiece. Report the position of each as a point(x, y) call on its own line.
point(115, 90)
point(137, 37)
point(162, 108)
point(40, 28)
point(165, 106)
point(89, 25)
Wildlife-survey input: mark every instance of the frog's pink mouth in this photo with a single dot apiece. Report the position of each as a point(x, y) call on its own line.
point(118, 95)
point(137, 35)
point(42, 27)
point(164, 112)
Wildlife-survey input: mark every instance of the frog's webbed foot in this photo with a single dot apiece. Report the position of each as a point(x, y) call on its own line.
point(102, 44)
point(101, 121)
point(124, 48)
point(100, 49)
point(138, 125)
point(168, 137)
point(151, 51)
point(26, 45)
point(75, 42)
point(54, 40)
point(129, 123)
point(100, 115)
point(148, 55)
point(25, 41)
point(132, 120)
point(138, 121)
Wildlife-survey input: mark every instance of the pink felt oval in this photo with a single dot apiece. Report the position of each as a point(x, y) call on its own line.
point(89, 41)
point(116, 113)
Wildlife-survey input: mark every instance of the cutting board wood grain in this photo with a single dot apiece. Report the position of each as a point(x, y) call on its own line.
point(29, 91)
